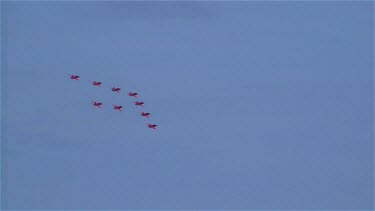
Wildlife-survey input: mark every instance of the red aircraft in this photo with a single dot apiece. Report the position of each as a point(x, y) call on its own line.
point(96, 83)
point(139, 103)
point(133, 94)
point(97, 104)
point(145, 114)
point(74, 77)
point(116, 89)
point(116, 107)
point(152, 126)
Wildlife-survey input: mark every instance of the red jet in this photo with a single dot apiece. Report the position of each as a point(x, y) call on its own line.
point(97, 104)
point(74, 77)
point(152, 126)
point(133, 94)
point(145, 114)
point(139, 103)
point(116, 107)
point(96, 83)
point(116, 89)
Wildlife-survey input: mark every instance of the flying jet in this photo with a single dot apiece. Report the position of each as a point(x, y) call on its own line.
point(116, 89)
point(74, 77)
point(133, 94)
point(96, 83)
point(97, 104)
point(152, 126)
point(145, 114)
point(139, 103)
point(116, 107)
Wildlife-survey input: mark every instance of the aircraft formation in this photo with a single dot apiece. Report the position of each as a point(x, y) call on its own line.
point(118, 107)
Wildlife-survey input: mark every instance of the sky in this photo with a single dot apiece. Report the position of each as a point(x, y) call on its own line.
point(259, 105)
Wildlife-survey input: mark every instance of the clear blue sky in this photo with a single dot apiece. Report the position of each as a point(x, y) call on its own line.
point(260, 105)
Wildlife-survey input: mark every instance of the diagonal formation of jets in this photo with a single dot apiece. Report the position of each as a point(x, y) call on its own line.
point(118, 107)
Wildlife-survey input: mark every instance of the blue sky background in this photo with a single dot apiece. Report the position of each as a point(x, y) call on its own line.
point(259, 105)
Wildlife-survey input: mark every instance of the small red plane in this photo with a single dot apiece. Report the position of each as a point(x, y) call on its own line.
point(96, 83)
point(116, 107)
point(145, 114)
point(116, 89)
point(152, 126)
point(97, 104)
point(133, 94)
point(139, 103)
point(74, 77)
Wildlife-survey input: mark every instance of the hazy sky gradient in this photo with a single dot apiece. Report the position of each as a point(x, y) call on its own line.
point(259, 105)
